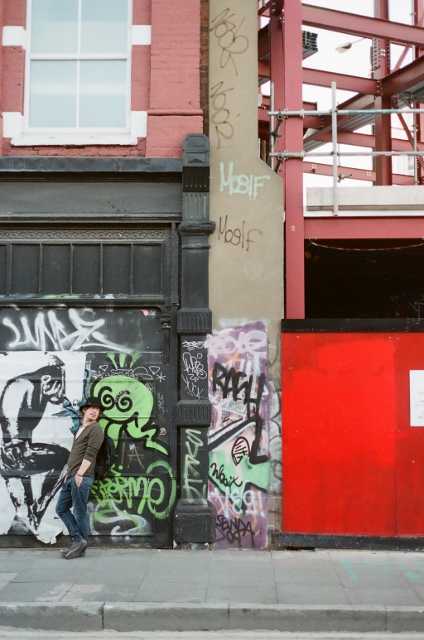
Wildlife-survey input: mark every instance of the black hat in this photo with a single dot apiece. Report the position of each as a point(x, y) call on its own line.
point(91, 402)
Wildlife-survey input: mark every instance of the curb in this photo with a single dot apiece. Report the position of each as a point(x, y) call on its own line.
point(130, 616)
point(52, 616)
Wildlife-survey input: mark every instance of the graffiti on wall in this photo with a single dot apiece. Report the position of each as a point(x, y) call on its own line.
point(239, 463)
point(141, 486)
point(39, 395)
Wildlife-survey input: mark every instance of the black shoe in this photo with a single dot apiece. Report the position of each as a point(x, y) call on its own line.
point(76, 549)
point(81, 555)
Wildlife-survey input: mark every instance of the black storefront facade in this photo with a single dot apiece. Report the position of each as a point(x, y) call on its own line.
point(104, 291)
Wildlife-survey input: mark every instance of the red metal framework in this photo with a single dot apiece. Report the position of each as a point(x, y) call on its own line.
point(391, 86)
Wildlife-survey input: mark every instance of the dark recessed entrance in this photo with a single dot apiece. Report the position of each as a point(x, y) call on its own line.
point(364, 279)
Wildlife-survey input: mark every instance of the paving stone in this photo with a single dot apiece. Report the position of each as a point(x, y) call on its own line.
point(99, 593)
point(309, 594)
point(246, 594)
point(163, 592)
point(390, 597)
point(34, 591)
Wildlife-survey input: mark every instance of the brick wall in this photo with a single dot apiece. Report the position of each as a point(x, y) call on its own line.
point(204, 63)
point(165, 79)
point(175, 77)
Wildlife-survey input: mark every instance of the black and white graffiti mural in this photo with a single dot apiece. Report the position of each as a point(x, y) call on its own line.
point(52, 359)
point(35, 438)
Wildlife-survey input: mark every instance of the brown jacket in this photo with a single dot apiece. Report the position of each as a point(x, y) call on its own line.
point(85, 446)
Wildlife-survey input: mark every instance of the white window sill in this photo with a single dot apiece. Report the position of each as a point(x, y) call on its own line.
point(73, 139)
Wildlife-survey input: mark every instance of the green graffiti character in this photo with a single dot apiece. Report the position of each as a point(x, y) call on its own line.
point(128, 405)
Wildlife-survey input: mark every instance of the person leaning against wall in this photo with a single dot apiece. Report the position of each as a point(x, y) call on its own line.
point(80, 477)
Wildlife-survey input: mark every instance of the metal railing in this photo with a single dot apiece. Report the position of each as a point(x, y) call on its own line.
point(334, 112)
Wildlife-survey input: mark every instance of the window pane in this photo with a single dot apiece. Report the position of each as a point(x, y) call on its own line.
point(54, 26)
point(103, 93)
point(3, 269)
point(25, 268)
point(86, 269)
point(147, 269)
point(104, 26)
point(116, 268)
point(53, 94)
point(55, 269)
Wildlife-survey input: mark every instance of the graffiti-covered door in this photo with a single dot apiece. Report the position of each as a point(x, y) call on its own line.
point(89, 319)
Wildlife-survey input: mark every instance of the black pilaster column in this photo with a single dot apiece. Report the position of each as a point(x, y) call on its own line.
point(194, 520)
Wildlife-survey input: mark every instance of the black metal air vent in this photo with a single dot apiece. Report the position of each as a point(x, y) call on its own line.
point(309, 43)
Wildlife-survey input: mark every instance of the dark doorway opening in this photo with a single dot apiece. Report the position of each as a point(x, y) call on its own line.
point(364, 279)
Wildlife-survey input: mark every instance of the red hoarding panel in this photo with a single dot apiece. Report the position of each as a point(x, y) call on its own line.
point(409, 440)
point(339, 409)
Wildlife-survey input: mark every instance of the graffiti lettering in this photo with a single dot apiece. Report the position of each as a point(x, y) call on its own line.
point(234, 530)
point(238, 237)
point(238, 441)
point(116, 522)
point(191, 345)
point(191, 471)
point(193, 366)
point(240, 184)
point(161, 403)
point(192, 388)
point(220, 474)
point(133, 454)
point(49, 333)
point(220, 116)
point(229, 383)
point(156, 494)
point(234, 502)
point(226, 343)
point(229, 40)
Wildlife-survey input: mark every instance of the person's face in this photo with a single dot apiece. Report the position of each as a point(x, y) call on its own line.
point(91, 414)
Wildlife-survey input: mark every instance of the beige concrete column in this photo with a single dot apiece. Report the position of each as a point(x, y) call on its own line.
point(246, 289)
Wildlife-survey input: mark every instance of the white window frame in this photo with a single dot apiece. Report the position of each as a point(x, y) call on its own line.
point(76, 135)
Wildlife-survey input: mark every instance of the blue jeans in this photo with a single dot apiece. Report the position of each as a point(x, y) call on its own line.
point(71, 496)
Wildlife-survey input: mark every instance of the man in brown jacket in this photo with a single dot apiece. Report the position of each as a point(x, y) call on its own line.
point(80, 477)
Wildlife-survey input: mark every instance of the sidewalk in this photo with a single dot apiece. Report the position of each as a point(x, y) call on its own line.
point(173, 590)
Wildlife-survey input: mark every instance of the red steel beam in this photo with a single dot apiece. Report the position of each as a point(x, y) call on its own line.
point(319, 169)
point(263, 69)
point(347, 83)
point(292, 139)
point(382, 126)
point(366, 140)
point(403, 79)
point(363, 228)
point(362, 26)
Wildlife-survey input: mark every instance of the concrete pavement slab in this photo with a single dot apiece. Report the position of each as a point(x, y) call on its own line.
point(250, 594)
point(310, 594)
point(34, 591)
point(388, 597)
point(245, 582)
point(7, 577)
point(154, 591)
point(99, 593)
point(294, 575)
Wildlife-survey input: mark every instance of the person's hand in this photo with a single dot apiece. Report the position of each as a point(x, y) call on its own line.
point(78, 480)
